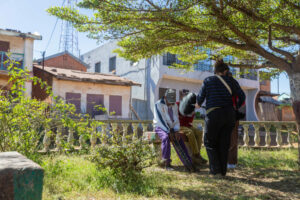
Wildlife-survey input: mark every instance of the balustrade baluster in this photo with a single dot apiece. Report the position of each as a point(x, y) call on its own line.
point(46, 141)
point(103, 135)
point(115, 134)
point(268, 135)
point(58, 139)
point(125, 131)
point(290, 128)
point(135, 130)
point(278, 135)
point(71, 138)
point(93, 138)
point(256, 135)
point(246, 135)
point(145, 128)
point(81, 142)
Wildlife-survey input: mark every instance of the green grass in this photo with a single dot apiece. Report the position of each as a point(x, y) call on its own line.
point(260, 174)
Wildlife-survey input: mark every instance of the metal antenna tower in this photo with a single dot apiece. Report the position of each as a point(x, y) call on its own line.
point(69, 35)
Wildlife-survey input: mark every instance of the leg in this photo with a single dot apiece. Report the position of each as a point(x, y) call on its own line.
point(212, 129)
point(233, 149)
point(224, 142)
point(165, 145)
point(198, 135)
point(191, 139)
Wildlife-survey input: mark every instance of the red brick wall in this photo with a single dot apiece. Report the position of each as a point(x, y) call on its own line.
point(37, 91)
point(66, 62)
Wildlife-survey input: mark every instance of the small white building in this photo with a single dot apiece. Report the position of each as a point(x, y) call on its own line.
point(86, 90)
point(155, 75)
point(20, 47)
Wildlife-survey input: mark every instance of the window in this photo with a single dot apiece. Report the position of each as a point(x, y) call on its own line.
point(112, 64)
point(94, 102)
point(169, 59)
point(4, 46)
point(115, 105)
point(98, 67)
point(74, 98)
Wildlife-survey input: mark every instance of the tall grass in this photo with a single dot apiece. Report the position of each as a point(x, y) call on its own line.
point(75, 177)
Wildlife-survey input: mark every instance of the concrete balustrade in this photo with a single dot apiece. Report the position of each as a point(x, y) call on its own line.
point(264, 134)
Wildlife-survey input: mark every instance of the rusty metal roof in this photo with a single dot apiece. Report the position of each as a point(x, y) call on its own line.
point(75, 75)
point(16, 33)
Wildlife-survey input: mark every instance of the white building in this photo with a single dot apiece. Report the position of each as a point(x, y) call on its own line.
point(155, 75)
point(20, 47)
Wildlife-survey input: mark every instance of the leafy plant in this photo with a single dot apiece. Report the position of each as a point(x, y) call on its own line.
point(124, 160)
point(25, 121)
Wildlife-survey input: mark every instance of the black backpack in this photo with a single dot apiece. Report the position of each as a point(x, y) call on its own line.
point(187, 104)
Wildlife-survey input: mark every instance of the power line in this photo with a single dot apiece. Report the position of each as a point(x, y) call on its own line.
point(51, 34)
point(53, 29)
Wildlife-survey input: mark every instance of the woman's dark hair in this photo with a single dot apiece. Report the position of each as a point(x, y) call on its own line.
point(220, 66)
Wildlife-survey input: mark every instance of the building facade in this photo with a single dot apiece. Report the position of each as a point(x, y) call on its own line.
point(20, 48)
point(86, 90)
point(155, 76)
point(64, 60)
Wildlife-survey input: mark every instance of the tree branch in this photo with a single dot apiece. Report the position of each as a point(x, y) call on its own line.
point(255, 16)
point(291, 4)
point(282, 52)
point(153, 5)
point(288, 39)
point(251, 44)
point(250, 65)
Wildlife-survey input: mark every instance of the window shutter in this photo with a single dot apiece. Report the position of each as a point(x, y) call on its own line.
point(92, 101)
point(74, 98)
point(115, 105)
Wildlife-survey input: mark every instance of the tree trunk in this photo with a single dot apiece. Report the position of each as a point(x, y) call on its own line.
point(295, 94)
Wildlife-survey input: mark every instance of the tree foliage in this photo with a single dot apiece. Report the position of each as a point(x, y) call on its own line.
point(258, 33)
point(25, 121)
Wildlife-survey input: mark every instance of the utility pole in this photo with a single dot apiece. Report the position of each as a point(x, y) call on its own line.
point(43, 54)
point(278, 84)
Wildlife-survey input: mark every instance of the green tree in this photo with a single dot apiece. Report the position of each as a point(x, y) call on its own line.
point(257, 33)
point(25, 121)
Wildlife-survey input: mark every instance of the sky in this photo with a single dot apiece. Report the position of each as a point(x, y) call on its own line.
point(31, 16)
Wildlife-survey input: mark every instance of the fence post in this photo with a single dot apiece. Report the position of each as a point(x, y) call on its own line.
point(246, 135)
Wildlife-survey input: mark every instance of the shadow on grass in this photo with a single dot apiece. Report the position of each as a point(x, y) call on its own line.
point(280, 180)
point(194, 194)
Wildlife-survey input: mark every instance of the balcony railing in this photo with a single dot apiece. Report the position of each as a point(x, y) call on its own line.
point(17, 57)
point(263, 134)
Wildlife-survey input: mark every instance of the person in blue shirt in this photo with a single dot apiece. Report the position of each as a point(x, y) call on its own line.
point(220, 117)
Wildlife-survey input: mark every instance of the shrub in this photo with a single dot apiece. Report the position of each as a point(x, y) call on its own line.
point(125, 162)
point(24, 121)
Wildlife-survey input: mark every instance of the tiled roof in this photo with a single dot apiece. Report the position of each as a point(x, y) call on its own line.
point(74, 75)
